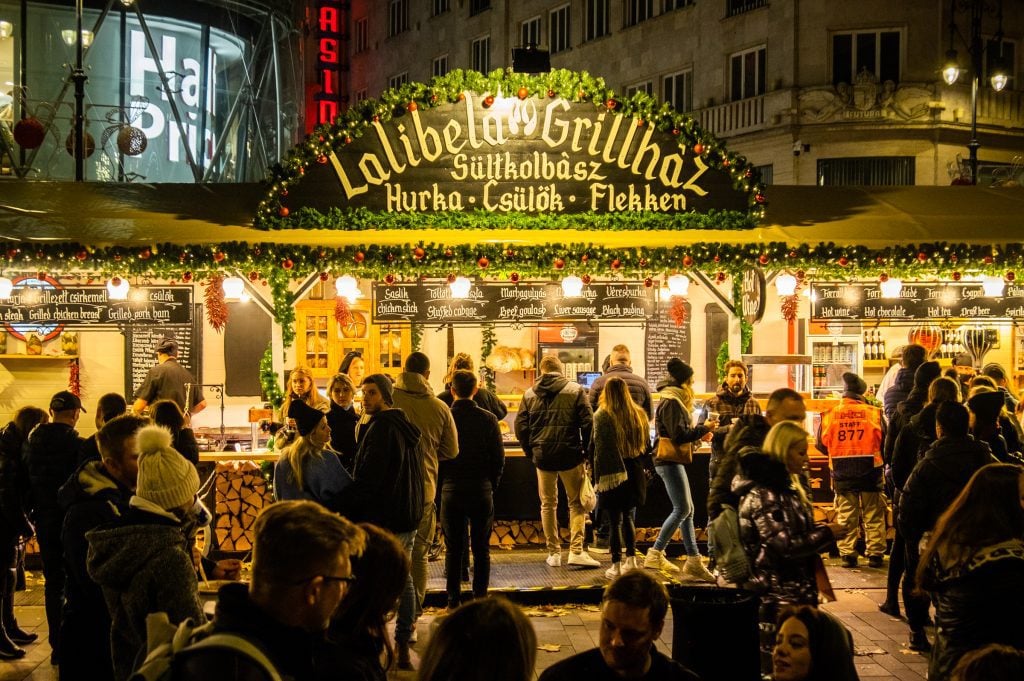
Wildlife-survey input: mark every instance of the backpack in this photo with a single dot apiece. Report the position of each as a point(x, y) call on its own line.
point(730, 557)
point(197, 653)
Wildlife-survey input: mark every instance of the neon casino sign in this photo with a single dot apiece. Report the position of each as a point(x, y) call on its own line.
point(328, 24)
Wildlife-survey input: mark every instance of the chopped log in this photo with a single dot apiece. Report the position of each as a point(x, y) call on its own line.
point(243, 544)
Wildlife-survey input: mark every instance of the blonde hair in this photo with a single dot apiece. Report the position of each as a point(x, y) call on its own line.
point(687, 390)
point(313, 398)
point(631, 425)
point(300, 452)
point(783, 436)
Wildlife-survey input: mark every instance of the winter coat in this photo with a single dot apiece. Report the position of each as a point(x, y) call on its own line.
point(905, 411)
point(976, 603)
point(438, 441)
point(484, 399)
point(295, 653)
point(619, 476)
point(343, 433)
point(387, 486)
point(638, 388)
point(90, 498)
point(14, 520)
point(554, 423)
point(143, 563)
point(324, 480)
point(481, 456)
point(913, 441)
point(899, 390)
point(728, 406)
point(50, 456)
point(778, 532)
point(675, 422)
point(936, 481)
point(90, 450)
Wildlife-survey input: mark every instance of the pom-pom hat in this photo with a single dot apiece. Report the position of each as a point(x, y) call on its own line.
point(166, 478)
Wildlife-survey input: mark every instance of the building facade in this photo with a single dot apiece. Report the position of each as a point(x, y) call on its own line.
point(826, 93)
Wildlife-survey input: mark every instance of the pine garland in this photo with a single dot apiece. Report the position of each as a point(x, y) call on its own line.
point(490, 339)
point(269, 379)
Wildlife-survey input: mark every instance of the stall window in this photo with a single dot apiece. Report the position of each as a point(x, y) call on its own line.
point(529, 32)
point(875, 52)
point(597, 19)
point(877, 171)
point(747, 73)
point(679, 90)
point(481, 54)
point(558, 29)
point(439, 67)
point(638, 10)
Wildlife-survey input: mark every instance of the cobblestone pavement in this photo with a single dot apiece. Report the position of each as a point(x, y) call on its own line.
point(565, 629)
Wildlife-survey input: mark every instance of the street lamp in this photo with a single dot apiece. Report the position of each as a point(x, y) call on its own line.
point(999, 75)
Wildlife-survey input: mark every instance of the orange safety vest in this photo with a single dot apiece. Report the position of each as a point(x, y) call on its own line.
point(853, 429)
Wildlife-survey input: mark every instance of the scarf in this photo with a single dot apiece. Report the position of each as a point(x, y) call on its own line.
point(608, 465)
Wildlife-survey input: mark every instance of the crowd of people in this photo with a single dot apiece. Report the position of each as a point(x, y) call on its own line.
point(359, 491)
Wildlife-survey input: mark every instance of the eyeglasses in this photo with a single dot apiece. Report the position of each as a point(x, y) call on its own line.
point(348, 579)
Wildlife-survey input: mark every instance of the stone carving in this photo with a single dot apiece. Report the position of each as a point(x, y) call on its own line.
point(866, 100)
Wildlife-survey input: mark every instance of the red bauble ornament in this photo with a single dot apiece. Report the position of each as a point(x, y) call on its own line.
point(376, 118)
point(283, 211)
point(648, 282)
point(391, 257)
point(922, 257)
point(117, 258)
point(763, 259)
point(642, 262)
point(953, 258)
point(611, 103)
point(879, 260)
point(389, 279)
point(488, 101)
point(639, 123)
point(12, 253)
point(254, 275)
point(29, 132)
point(675, 132)
point(509, 253)
point(698, 148)
point(551, 94)
point(585, 278)
point(717, 258)
point(687, 261)
point(719, 277)
point(616, 264)
point(287, 263)
point(323, 276)
point(584, 258)
point(726, 163)
point(844, 261)
point(218, 256)
point(81, 255)
point(284, 192)
point(559, 263)
point(348, 140)
point(412, 106)
point(419, 253)
point(957, 276)
point(792, 254)
point(759, 197)
point(522, 93)
point(461, 97)
point(883, 277)
point(483, 262)
point(988, 259)
point(450, 278)
point(145, 254)
point(1011, 276)
point(321, 159)
point(800, 274)
point(115, 281)
point(359, 256)
point(514, 277)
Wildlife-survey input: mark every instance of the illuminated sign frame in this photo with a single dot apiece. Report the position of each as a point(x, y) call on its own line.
point(329, 36)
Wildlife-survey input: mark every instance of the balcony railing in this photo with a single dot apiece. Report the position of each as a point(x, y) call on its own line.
point(734, 7)
point(734, 118)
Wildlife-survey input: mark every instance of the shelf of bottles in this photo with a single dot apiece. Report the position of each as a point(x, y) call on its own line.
point(829, 361)
point(874, 345)
point(951, 346)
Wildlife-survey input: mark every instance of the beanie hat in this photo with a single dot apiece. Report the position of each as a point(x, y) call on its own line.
point(384, 385)
point(680, 371)
point(306, 417)
point(986, 405)
point(926, 373)
point(166, 478)
point(855, 385)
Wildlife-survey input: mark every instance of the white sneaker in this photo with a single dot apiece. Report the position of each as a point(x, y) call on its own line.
point(582, 559)
point(554, 560)
point(614, 571)
point(629, 564)
point(656, 560)
point(695, 568)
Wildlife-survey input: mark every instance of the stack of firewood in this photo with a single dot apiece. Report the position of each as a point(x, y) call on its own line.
point(241, 495)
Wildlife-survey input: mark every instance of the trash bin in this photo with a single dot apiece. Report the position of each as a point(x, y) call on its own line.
point(715, 632)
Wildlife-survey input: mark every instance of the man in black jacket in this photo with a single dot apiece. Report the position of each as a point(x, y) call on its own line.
point(50, 456)
point(553, 426)
point(913, 356)
point(96, 494)
point(467, 487)
point(388, 486)
point(935, 482)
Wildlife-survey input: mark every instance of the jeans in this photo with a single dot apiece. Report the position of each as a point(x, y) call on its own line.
point(678, 489)
point(421, 545)
point(407, 604)
point(547, 487)
point(458, 505)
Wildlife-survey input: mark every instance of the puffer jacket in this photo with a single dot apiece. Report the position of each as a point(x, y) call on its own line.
point(977, 603)
point(778, 532)
point(554, 423)
point(937, 480)
point(673, 421)
point(143, 564)
point(899, 390)
point(912, 442)
point(50, 457)
point(13, 485)
point(438, 441)
point(638, 388)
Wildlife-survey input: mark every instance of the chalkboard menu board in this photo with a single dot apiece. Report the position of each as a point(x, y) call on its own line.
point(525, 302)
point(40, 302)
point(931, 300)
point(140, 349)
point(664, 340)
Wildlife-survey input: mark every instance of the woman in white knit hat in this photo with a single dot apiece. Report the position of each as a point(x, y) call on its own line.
point(143, 561)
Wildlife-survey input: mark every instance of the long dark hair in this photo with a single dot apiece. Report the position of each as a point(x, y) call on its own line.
point(987, 512)
point(830, 642)
point(370, 601)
